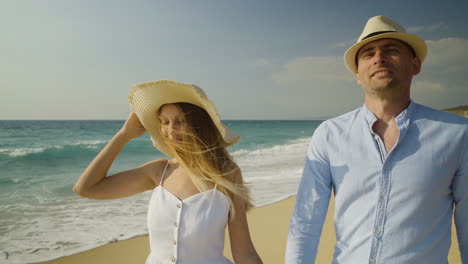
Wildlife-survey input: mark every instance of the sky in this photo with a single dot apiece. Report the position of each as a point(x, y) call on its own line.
point(255, 59)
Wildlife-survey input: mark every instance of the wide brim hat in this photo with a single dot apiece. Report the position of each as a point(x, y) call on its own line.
point(380, 27)
point(147, 98)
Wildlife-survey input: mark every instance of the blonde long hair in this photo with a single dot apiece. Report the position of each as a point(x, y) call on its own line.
point(203, 154)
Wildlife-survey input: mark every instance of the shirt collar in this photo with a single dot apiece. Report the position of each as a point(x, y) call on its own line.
point(402, 119)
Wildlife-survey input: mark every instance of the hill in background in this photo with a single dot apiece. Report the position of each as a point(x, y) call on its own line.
point(459, 110)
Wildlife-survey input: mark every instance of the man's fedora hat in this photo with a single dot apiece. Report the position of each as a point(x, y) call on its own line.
point(380, 27)
point(146, 98)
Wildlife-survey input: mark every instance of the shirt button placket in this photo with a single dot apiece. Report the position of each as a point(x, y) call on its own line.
point(381, 212)
point(377, 231)
point(176, 231)
point(381, 203)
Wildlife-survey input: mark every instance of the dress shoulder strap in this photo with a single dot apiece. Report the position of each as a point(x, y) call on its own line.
point(164, 173)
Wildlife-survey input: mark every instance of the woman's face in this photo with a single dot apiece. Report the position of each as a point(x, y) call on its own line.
point(172, 122)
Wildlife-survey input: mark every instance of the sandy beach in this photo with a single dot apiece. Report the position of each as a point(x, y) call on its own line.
point(269, 230)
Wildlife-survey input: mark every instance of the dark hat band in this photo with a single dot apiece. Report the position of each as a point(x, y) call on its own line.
point(376, 33)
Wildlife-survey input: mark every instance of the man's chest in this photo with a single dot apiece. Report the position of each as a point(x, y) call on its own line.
point(414, 165)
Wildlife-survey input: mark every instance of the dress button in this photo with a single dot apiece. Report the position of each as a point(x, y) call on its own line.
point(377, 231)
point(173, 259)
point(176, 224)
point(179, 205)
point(174, 242)
point(372, 260)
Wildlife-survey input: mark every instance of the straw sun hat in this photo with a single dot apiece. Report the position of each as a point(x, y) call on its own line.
point(146, 98)
point(380, 27)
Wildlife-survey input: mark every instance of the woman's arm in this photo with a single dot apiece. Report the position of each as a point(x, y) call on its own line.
point(242, 248)
point(93, 183)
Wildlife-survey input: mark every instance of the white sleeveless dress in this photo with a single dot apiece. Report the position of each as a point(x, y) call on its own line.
point(188, 231)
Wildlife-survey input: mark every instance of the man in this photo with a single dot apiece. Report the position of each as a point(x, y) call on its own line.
point(397, 168)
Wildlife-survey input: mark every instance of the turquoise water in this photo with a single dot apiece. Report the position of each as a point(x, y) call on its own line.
point(41, 218)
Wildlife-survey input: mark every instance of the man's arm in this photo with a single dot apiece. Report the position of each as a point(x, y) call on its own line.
point(460, 193)
point(311, 203)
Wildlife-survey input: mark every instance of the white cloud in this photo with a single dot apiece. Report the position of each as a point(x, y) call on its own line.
point(344, 44)
point(320, 86)
point(430, 28)
point(442, 81)
point(428, 86)
point(314, 69)
point(447, 53)
point(262, 63)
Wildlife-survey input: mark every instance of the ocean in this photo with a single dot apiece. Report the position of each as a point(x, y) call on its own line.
point(42, 219)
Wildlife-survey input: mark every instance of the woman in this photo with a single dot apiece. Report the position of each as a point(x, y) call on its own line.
point(196, 193)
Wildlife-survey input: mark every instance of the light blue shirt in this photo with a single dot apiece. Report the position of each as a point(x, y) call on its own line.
point(389, 207)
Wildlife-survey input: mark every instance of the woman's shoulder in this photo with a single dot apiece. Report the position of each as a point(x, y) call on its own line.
point(156, 163)
point(156, 167)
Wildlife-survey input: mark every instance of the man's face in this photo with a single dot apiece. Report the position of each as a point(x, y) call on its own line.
point(386, 67)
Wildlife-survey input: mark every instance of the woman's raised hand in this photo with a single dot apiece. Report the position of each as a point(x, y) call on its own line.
point(132, 127)
point(94, 184)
